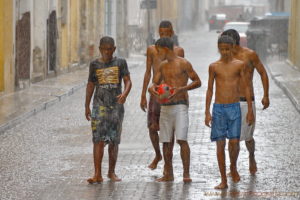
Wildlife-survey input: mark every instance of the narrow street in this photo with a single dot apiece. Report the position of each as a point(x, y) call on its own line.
point(49, 155)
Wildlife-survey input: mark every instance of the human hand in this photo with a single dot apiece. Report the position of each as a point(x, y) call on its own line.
point(208, 119)
point(250, 118)
point(265, 102)
point(174, 91)
point(153, 90)
point(88, 113)
point(143, 103)
point(121, 98)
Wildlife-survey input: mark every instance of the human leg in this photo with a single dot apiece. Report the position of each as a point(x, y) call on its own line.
point(155, 143)
point(234, 149)
point(98, 151)
point(168, 168)
point(247, 135)
point(221, 162)
point(153, 126)
point(251, 149)
point(113, 150)
point(185, 157)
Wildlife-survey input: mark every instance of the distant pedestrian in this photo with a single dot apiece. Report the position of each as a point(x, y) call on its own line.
point(152, 64)
point(225, 121)
point(105, 81)
point(252, 62)
point(175, 72)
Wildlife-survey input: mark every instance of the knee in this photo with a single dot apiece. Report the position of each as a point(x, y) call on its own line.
point(153, 128)
point(181, 142)
point(234, 142)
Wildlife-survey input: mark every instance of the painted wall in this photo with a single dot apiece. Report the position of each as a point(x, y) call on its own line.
point(64, 33)
point(294, 34)
point(6, 47)
point(74, 31)
point(38, 43)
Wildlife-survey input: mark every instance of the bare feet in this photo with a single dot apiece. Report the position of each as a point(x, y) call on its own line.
point(187, 180)
point(165, 178)
point(154, 163)
point(222, 185)
point(252, 166)
point(95, 180)
point(113, 177)
point(235, 176)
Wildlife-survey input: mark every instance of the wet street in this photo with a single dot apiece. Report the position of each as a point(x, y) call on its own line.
point(49, 155)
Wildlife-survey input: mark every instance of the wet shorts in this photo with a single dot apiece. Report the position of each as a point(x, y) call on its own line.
point(153, 113)
point(174, 119)
point(226, 121)
point(247, 131)
point(107, 123)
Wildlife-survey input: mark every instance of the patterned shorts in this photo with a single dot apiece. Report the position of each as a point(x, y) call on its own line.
point(107, 123)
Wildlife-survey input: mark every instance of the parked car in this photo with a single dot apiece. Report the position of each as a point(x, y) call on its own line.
point(217, 21)
point(240, 27)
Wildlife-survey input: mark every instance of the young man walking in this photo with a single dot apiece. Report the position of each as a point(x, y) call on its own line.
point(105, 82)
point(225, 121)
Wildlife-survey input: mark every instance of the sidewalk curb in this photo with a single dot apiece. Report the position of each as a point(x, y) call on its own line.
point(49, 103)
point(281, 83)
point(40, 107)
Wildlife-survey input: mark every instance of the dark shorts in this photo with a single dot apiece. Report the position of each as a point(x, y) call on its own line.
point(153, 113)
point(107, 123)
point(226, 121)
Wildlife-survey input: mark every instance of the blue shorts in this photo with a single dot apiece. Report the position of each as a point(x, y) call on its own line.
point(226, 121)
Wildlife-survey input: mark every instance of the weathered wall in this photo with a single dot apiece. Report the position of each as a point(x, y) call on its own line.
point(74, 31)
point(294, 34)
point(39, 45)
point(23, 43)
point(6, 47)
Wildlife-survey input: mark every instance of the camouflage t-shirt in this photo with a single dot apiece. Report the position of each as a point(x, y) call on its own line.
point(107, 78)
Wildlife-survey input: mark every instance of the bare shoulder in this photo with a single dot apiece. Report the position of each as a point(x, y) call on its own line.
point(183, 61)
point(249, 52)
point(214, 64)
point(178, 48)
point(151, 49)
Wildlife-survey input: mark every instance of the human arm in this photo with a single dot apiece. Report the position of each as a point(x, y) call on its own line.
point(209, 94)
point(89, 93)
point(196, 82)
point(264, 78)
point(156, 81)
point(147, 77)
point(127, 87)
point(246, 81)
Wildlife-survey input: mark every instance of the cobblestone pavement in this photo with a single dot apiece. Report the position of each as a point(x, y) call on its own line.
point(49, 155)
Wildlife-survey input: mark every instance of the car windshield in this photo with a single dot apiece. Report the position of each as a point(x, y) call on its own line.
point(241, 28)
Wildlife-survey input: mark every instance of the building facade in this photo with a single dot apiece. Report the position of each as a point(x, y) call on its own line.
point(44, 38)
point(294, 34)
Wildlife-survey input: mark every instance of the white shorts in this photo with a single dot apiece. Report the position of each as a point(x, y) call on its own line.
point(246, 130)
point(174, 119)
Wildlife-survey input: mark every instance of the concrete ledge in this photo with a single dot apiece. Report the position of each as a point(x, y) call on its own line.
point(287, 78)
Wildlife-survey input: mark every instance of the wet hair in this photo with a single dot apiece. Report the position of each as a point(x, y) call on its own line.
point(165, 42)
point(226, 39)
point(234, 34)
point(165, 24)
point(107, 40)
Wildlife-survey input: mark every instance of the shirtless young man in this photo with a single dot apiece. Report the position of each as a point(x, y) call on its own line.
point(175, 72)
point(152, 64)
point(252, 62)
point(225, 121)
